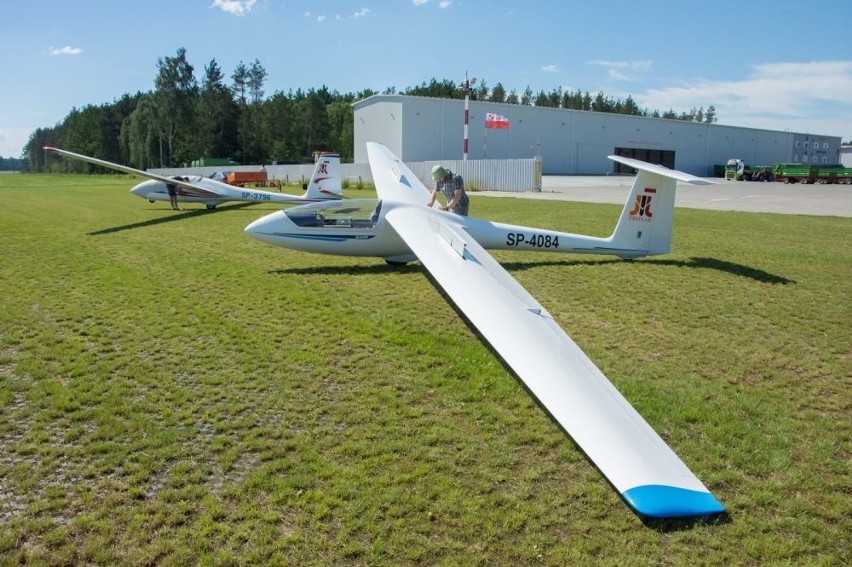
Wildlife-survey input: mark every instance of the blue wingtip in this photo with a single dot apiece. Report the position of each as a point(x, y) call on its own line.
point(657, 501)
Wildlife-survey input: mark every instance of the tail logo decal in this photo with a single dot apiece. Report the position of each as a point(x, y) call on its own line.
point(323, 168)
point(642, 208)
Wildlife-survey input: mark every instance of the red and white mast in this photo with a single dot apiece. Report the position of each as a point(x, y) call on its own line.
point(466, 88)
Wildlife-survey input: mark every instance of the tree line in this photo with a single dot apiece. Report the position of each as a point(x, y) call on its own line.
point(180, 120)
point(11, 164)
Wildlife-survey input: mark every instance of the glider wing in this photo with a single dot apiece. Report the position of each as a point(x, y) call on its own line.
point(189, 188)
point(394, 180)
point(637, 462)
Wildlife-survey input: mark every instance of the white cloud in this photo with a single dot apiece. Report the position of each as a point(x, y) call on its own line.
point(640, 65)
point(361, 13)
point(320, 18)
point(550, 68)
point(779, 96)
point(624, 70)
point(617, 75)
point(441, 3)
point(67, 50)
point(235, 7)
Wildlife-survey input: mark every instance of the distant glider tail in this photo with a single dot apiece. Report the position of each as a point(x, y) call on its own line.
point(645, 225)
point(326, 182)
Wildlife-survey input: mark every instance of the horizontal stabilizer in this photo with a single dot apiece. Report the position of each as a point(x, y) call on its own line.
point(660, 170)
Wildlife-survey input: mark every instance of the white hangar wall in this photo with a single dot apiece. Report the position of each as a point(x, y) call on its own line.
point(571, 141)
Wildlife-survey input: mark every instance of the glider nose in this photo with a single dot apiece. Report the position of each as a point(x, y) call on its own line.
point(274, 228)
point(146, 187)
point(265, 227)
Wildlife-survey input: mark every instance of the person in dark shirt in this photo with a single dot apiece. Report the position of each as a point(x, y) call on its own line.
point(173, 190)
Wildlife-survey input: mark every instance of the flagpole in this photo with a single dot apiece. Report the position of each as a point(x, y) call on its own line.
point(466, 87)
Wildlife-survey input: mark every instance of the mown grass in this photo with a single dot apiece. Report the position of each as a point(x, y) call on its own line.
point(174, 392)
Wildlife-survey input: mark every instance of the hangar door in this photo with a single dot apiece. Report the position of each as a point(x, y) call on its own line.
point(666, 158)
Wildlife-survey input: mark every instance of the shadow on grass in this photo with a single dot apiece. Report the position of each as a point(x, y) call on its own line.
point(667, 525)
point(171, 218)
point(351, 270)
point(695, 263)
point(729, 267)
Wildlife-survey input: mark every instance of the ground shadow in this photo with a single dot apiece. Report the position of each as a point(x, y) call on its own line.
point(667, 525)
point(359, 270)
point(171, 218)
point(724, 266)
point(694, 263)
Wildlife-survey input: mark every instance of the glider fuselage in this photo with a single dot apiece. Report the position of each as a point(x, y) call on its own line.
point(325, 184)
point(211, 192)
point(357, 227)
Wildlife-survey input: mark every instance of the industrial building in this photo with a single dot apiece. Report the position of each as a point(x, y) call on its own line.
point(421, 129)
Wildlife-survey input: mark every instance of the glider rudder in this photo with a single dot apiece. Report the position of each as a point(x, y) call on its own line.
point(325, 181)
point(645, 224)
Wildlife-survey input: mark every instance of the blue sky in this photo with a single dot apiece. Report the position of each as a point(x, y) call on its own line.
point(769, 64)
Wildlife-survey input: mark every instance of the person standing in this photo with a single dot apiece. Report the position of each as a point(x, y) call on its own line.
point(173, 200)
point(452, 187)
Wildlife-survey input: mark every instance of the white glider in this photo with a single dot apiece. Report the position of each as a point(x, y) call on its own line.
point(398, 227)
point(325, 184)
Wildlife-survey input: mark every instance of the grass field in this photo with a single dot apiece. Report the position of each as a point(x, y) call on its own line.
point(173, 392)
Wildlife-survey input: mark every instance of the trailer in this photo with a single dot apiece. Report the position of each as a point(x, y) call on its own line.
point(835, 174)
point(799, 173)
point(248, 178)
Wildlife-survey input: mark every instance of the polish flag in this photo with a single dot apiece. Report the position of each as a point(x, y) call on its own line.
point(496, 121)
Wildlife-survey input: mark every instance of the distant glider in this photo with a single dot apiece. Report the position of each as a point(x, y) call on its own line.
point(325, 184)
point(399, 227)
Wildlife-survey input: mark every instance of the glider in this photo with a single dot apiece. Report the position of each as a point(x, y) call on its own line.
point(324, 185)
point(399, 227)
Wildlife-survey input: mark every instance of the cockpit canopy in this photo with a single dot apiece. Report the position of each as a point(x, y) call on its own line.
point(349, 213)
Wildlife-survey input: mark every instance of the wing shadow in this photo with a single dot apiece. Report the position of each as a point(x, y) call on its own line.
point(669, 525)
point(694, 263)
point(351, 270)
point(161, 220)
point(729, 267)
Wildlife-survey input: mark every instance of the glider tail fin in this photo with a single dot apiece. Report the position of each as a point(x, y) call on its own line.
point(645, 225)
point(326, 182)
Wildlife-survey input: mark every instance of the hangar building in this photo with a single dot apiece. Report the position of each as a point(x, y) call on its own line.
point(572, 141)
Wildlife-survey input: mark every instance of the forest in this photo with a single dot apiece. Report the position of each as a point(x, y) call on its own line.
point(180, 121)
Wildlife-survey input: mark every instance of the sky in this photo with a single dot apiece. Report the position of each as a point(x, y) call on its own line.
point(775, 64)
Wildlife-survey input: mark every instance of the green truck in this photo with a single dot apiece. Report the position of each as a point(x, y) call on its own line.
point(738, 170)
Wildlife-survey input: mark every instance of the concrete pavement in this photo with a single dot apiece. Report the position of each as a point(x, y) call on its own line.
point(792, 199)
